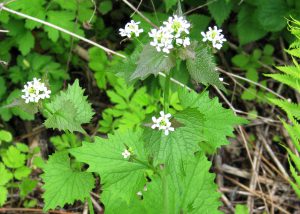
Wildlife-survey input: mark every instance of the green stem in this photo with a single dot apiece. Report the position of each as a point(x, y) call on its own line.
point(165, 193)
point(139, 41)
point(144, 163)
point(167, 92)
point(90, 204)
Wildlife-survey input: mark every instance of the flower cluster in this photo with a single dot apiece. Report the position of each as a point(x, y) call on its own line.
point(34, 91)
point(126, 154)
point(131, 29)
point(215, 36)
point(163, 123)
point(174, 32)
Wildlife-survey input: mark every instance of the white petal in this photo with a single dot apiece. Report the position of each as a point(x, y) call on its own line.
point(168, 115)
point(171, 129)
point(162, 113)
point(154, 126)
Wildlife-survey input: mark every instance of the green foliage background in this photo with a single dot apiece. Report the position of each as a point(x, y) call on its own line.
point(120, 101)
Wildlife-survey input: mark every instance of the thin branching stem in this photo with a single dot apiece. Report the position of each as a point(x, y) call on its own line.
point(138, 12)
point(62, 30)
point(167, 92)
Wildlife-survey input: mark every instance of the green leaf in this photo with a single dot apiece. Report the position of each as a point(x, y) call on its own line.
point(105, 7)
point(218, 123)
point(169, 4)
point(152, 62)
point(22, 172)
point(69, 110)
point(197, 192)
point(186, 53)
point(293, 71)
point(22, 147)
point(203, 68)
point(294, 52)
point(178, 146)
point(289, 79)
point(27, 186)
point(7, 112)
point(38, 162)
point(247, 26)
point(64, 19)
point(3, 88)
point(268, 50)
point(3, 195)
point(63, 185)
point(5, 136)
point(63, 118)
point(290, 108)
point(98, 63)
point(241, 209)
point(69, 5)
point(220, 10)
point(293, 131)
point(21, 36)
point(30, 203)
point(26, 43)
point(13, 158)
point(6, 175)
point(200, 23)
point(82, 9)
point(65, 141)
point(240, 60)
point(252, 74)
point(271, 15)
point(119, 176)
point(249, 94)
point(114, 204)
point(35, 8)
point(295, 175)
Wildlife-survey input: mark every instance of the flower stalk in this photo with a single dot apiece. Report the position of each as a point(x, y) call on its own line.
point(167, 92)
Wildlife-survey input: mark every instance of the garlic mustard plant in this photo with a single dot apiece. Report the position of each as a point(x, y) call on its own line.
point(34, 91)
point(168, 163)
point(214, 36)
point(131, 29)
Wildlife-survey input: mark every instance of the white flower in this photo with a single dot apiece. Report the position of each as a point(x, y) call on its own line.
point(131, 29)
point(162, 39)
point(34, 91)
point(218, 43)
point(126, 154)
point(215, 36)
point(174, 31)
point(185, 42)
point(163, 123)
point(178, 25)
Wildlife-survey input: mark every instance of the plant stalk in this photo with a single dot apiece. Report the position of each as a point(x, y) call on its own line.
point(90, 205)
point(165, 193)
point(167, 93)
